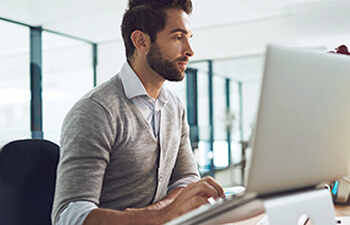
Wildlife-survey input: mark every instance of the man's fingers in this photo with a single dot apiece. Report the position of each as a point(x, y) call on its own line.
point(195, 195)
point(207, 187)
point(214, 184)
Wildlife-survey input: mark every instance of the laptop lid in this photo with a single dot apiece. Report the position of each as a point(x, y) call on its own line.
point(303, 123)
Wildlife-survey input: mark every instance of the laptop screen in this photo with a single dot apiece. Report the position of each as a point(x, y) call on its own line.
point(303, 121)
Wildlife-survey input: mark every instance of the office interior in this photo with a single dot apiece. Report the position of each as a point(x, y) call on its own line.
point(77, 45)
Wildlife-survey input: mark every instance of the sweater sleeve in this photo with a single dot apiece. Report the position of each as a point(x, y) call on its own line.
point(86, 140)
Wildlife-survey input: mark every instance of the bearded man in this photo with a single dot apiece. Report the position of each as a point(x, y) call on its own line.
point(125, 150)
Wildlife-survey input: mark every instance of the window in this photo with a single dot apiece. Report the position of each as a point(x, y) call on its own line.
point(14, 82)
point(67, 76)
point(220, 146)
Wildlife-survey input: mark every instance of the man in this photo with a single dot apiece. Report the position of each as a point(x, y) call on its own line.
point(125, 150)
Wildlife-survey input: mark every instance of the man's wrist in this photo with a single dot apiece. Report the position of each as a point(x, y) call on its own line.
point(166, 214)
point(153, 215)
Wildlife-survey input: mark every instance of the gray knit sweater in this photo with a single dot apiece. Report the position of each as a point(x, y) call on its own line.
point(109, 155)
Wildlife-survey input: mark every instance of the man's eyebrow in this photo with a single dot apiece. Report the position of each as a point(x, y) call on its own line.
point(180, 30)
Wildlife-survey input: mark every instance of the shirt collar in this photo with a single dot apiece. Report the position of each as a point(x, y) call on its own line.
point(162, 99)
point(133, 86)
point(131, 82)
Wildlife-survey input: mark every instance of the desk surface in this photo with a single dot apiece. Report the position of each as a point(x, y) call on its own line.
point(252, 221)
point(342, 210)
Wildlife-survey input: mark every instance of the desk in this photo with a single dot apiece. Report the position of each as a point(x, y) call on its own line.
point(342, 210)
point(251, 221)
point(339, 211)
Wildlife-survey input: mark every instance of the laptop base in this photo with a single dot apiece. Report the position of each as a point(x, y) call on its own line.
point(315, 205)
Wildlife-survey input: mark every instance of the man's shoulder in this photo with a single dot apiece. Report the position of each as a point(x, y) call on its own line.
point(108, 93)
point(111, 86)
point(108, 97)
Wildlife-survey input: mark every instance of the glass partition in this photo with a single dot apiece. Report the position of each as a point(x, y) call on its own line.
point(235, 92)
point(204, 154)
point(14, 82)
point(221, 120)
point(67, 76)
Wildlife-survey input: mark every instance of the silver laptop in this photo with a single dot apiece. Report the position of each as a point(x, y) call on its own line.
point(301, 136)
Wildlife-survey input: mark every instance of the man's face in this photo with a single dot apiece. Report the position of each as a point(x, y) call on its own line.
point(170, 53)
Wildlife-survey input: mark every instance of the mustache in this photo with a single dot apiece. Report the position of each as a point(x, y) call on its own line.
point(182, 59)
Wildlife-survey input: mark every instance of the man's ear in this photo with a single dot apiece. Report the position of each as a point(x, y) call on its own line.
point(140, 40)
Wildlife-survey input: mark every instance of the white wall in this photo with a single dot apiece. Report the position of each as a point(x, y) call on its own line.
point(111, 57)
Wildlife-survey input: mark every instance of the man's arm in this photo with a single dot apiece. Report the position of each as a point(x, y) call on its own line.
point(166, 201)
point(178, 202)
point(84, 155)
point(147, 215)
point(77, 212)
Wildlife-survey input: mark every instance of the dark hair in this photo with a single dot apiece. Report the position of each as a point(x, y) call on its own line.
point(148, 16)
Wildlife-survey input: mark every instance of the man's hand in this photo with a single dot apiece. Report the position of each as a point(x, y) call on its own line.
point(178, 202)
point(193, 196)
point(162, 203)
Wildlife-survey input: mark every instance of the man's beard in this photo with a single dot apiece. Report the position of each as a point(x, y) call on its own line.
point(164, 67)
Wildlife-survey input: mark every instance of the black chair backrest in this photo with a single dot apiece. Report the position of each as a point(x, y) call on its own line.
point(27, 181)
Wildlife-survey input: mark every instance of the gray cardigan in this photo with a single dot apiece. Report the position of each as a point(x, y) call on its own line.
point(109, 155)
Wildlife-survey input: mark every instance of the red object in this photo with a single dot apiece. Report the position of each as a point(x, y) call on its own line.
point(342, 49)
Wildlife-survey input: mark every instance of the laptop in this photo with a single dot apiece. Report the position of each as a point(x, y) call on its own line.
point(301, 135)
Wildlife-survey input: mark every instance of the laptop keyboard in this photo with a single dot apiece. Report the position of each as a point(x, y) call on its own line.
point(212, 209)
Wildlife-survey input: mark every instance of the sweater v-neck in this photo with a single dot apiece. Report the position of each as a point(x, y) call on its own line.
point(136, 92)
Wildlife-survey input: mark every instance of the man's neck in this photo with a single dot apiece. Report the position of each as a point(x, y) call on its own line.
point(151, 81)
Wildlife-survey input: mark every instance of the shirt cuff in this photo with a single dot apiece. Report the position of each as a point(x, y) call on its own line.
point(183, 182)
point(76, 213)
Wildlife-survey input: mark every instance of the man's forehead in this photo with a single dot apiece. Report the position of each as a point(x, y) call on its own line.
point(177, 21)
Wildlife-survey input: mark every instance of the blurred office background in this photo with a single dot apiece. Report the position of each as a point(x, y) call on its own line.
point(75, 45)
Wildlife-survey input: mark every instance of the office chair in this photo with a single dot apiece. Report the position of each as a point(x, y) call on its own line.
point(27, 181)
